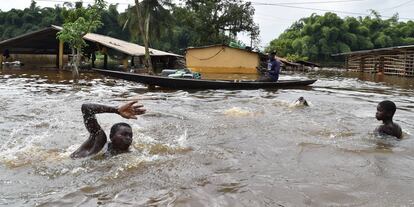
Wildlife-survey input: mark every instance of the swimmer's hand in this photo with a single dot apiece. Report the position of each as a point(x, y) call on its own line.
point(131, 109)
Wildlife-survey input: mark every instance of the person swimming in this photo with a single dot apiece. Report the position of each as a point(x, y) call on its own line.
point(301, 102)
point(120, 135)
point(385, 113)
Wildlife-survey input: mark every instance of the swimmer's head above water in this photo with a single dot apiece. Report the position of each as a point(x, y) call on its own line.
point(121, 136)
point(301, 102)
point(385, 110)
point(385, 113)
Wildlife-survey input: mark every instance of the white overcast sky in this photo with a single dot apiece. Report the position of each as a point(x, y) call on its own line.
point(273, 20)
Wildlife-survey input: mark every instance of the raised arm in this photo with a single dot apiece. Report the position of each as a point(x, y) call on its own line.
point(97, 138)
point(89, 119)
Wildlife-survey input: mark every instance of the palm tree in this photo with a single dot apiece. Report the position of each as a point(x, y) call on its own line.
point(145, 18)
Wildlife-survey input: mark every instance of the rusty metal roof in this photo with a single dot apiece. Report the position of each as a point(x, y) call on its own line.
point(121, 45)
point(224, 46)
point(36, 41)
point(375, 50)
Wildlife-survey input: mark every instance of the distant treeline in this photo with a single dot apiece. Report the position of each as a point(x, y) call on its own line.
point(173, 27)
point(317, 37)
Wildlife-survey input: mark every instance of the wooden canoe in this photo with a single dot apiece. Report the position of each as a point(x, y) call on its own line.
point(184, 83)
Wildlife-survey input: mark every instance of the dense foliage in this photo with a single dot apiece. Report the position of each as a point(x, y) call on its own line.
point(173, 27)
point(17, 22)
point(317, 37)
point(214, 21)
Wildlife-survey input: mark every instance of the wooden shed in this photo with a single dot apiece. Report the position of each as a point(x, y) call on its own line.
point(44, 42)
point(222, 59)
point(391, 61)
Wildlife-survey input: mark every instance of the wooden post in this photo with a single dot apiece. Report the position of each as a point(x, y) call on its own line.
point(93, 59)
point(125, 63)
point(381, 64)
point(57, 56)
point(346, 62)
point(59, 62)
point(362, 64)
point(1, 61)
point(405, 63)
point(105, 61)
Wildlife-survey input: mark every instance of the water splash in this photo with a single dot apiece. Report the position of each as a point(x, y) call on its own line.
point(238, 112)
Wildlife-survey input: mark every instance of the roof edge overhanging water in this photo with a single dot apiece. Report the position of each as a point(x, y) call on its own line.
point(122, 46)
point(375, 50)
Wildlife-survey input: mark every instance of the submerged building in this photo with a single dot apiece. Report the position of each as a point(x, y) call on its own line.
point(41, 49)
point(222, 59)
point(391, 61)
point(229, 60)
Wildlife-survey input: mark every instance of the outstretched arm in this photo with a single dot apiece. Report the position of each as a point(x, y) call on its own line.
point(97, 137)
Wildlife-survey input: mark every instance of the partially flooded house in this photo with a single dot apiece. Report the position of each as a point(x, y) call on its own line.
point(391, 61)
point(41, 49)
point(229, 60)
point(222, 59)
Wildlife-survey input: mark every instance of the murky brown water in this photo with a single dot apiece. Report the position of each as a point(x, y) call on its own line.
point(207, 148)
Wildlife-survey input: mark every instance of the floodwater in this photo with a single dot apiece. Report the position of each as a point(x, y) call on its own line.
point(208, 148)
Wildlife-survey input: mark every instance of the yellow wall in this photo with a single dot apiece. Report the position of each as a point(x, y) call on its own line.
point(219, 59)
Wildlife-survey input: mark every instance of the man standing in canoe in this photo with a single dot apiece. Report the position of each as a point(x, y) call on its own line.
point(273, 69)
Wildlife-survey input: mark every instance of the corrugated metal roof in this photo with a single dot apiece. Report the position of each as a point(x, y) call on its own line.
point(122, 46)
point(110, 42)
point(221, 45)
point(286, 61)
point(375, 50)
point(307, 63)
point(23, 36)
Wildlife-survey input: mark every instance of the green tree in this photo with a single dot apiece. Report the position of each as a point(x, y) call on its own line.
point(110, 24)
point(172, 26)
point(147, 19)
point(17, 22)
point(219, 21)
point(317, 37)
point(79, 22)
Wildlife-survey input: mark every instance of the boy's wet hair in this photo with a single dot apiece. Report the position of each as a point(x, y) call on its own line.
point(116, 126)
point(388, 106)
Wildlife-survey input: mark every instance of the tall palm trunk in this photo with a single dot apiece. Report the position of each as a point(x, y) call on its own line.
point(146, 43)
point(143, 26)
